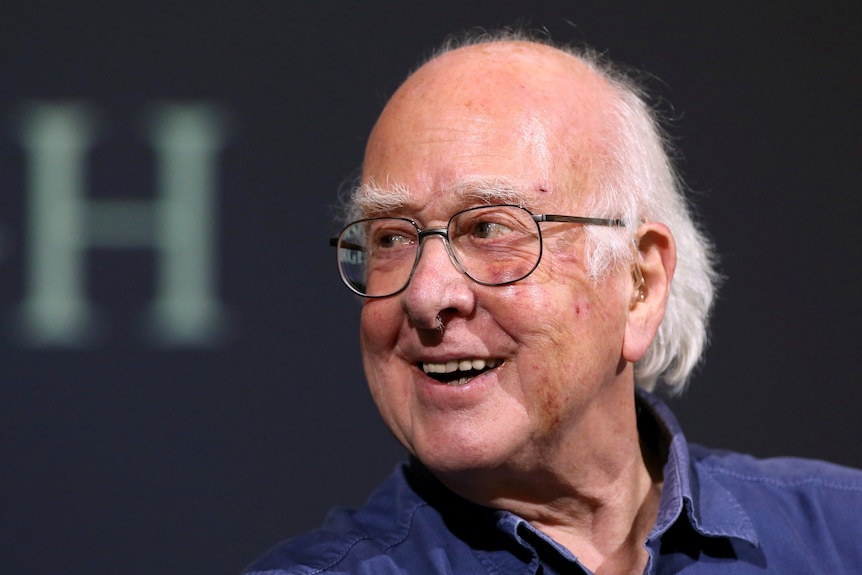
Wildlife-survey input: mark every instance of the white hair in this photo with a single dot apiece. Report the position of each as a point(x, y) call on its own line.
point(637, 182)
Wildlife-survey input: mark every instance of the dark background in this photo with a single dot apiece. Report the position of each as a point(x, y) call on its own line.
point(124, 458)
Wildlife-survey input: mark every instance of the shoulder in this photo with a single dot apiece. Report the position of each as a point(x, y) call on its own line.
point(349, 541)
point(389, 534)
point(780, 474)
point(342, 544)
point(801, 509)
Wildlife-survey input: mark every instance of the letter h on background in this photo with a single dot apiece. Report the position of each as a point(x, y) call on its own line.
point(179, 224)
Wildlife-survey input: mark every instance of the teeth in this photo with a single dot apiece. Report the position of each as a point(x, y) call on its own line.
point(460, 365)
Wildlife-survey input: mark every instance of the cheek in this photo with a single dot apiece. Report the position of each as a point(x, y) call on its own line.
point(568, 344)
point(378, 337)
point(379, 329)
point(549, 400)
point(378, 325)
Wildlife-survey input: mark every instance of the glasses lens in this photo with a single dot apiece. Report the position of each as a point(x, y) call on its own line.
point(375, 256)
point(496, 244)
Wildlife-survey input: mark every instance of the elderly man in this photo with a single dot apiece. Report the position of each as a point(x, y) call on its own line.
point(530, 271)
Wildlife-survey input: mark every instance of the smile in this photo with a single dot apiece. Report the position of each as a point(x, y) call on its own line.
point(458, 372)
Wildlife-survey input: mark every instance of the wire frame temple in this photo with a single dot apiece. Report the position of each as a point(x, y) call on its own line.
point(333, 242)
point(576, 220)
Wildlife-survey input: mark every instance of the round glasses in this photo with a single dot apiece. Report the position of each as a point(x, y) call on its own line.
point(492, 245)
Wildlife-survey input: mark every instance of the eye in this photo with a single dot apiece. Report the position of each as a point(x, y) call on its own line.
point(391, 234)
point(393, 240)
point(488, 229)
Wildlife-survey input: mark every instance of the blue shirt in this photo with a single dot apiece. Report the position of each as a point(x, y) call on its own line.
point(720, 512)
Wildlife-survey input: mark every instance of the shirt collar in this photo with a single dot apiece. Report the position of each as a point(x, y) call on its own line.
point(710, 509)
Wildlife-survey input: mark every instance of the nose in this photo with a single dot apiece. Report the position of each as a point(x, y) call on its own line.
point(438, 289)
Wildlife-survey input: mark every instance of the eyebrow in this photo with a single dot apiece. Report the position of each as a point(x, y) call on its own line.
point(373, 199)
point(370, 198)
point(496, 191)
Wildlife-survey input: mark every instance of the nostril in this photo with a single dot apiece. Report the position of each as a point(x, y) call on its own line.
point(437, 325)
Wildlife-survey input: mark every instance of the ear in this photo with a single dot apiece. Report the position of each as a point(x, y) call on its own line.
point(656, 261)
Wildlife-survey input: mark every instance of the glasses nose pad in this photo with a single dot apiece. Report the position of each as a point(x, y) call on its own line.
point(444, 237)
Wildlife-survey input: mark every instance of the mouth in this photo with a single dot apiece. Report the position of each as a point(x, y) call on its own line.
point(458, 372)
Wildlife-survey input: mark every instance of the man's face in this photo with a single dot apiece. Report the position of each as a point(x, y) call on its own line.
point(554, 337)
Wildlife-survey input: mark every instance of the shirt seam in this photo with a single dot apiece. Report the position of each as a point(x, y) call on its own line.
point(817, 481)
point(401, 539)
point(341, 557)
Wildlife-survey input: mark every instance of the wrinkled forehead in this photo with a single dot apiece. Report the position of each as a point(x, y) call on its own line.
point(394, 198)
point(512, 123)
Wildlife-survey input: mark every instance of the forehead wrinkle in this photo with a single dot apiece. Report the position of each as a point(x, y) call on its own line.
point(549, 107)
point(373, 199)
point(488, 191)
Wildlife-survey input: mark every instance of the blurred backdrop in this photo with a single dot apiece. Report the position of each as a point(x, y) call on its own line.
point(180, 382)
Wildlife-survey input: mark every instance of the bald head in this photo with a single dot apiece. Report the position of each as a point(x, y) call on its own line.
point(544, 108)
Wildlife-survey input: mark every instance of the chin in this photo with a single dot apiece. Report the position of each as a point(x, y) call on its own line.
point(455, 454)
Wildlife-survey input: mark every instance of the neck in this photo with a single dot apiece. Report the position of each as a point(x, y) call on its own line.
point(597, 494)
